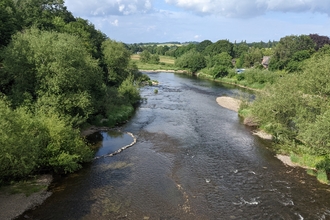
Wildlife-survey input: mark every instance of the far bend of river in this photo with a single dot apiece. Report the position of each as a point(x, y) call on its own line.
point(193, 160)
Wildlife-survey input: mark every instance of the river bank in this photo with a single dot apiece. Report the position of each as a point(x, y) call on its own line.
point(18, 198)
point(234, 104)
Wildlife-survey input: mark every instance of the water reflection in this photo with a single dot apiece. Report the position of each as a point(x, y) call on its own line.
point(107, 142)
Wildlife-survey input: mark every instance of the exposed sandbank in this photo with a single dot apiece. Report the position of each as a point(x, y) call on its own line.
point(229, 103)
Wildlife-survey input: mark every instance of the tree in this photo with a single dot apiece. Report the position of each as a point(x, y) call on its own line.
point(145, 56)
point(184, 49)
point(202, 45)
point(253, 57)
point(286, 47)
point(191, 60)
point(116, 59)
point(154, 59)
point(295, 62)
point(219, 47)
point(239, 49)
point(9, 21)
point(53, 70)
point(222, 59)
point(41, 13)
point(92, 38)
point(319, 41)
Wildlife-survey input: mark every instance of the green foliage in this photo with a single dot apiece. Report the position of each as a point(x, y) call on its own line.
point(240, 49)
point(20, 140)
point(9, 21)
point(223, 59)
point(41, 13)
point(258, 76)
point(191, 60)
point(64, 150)
point(145, 56)
point(322, 176)
point(129, 90)
point(116, 60)
point(295, 63)
point(219, 71)
point(37, 142)
point(253, 57)
point(296, 107)
point(287, 47)
point(118, 114)
point(154, 59)
point(219, 47)
point(184, 49)
point(202, 45)
point(53, 70)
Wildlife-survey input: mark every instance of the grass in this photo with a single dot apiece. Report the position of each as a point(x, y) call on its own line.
point(25, 187)
point(322, 176)
point(311, 162)
point(165, 63)
point(306, 160)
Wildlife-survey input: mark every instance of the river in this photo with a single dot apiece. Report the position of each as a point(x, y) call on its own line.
point(193, 160)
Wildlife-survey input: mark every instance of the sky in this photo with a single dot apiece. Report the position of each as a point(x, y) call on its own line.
point(143, 21)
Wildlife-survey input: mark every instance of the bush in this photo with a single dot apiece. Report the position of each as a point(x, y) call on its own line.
point(31, 143)
point(119, 114)
point(219, 71)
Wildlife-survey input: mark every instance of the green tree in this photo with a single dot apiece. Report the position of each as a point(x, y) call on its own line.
point(295, 62)
point(239, 49)
point(145, 56)
point(191, 60)
point(53, 70)
point(9, 21)
point(116, 59)
point(219, 47)
point(42, 12)
point(154, 59)
point(202, 45)
point(253, 57)
point(288, 46)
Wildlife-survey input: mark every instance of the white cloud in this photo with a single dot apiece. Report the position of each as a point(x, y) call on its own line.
point(115, 23)
point(251, 8)
point(108, 7)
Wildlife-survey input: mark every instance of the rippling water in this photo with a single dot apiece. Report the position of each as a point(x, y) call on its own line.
point(193, 160)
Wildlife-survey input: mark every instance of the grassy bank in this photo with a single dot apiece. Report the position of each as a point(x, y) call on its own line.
point(165, 63)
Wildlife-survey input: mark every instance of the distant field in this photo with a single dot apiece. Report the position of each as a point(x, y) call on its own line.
point(163, 59)
point(166, 63)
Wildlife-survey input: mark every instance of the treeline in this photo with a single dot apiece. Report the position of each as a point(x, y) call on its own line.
point(58, 74)
point(219, 57)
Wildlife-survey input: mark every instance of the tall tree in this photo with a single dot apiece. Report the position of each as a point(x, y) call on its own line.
point(42, 12)
point(9, 21)
point(219, 47)
point(202, 45)
point(319, 41)
point(286, 47)
point(53, 70)
point(116, 59)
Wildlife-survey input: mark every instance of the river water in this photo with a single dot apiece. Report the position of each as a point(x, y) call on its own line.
point(193, 160)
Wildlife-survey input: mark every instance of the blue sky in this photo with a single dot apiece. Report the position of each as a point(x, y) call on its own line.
point(135, 21)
